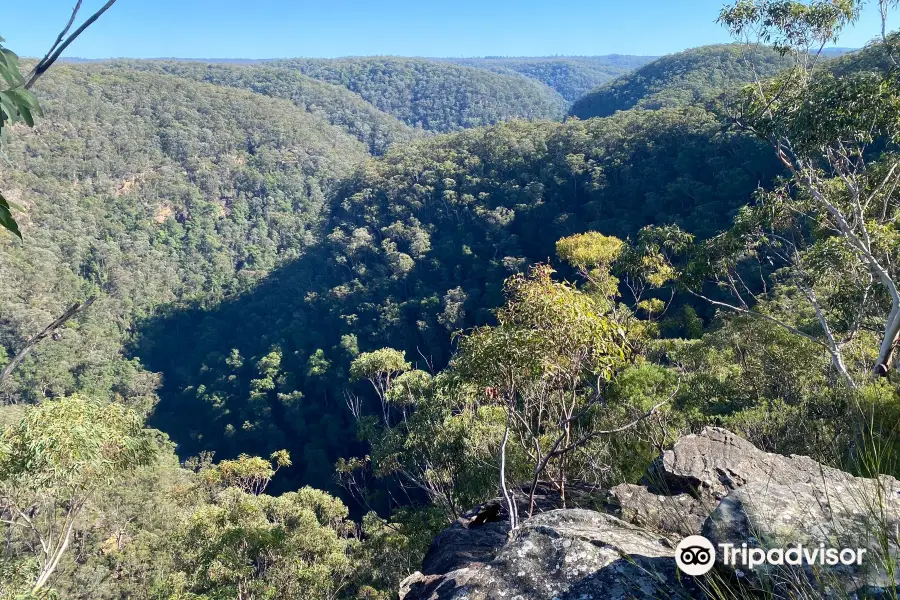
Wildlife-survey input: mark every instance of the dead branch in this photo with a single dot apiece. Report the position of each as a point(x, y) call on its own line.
point(60, 45)
point(48, 330)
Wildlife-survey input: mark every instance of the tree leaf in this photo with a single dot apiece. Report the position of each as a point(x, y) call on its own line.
point(26, 115)
point(6, 218)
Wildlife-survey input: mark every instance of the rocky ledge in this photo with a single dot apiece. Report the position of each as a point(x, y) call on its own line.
point(714, 484)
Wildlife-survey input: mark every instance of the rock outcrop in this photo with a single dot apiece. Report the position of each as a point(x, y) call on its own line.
point(564, 553)
point(715, 484)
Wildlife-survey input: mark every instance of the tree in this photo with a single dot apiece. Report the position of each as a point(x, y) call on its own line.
point(593, 254)
point(246, 545)
point(379, 368)
point(443, 446)
point(831, 223)
point(54, 459)
point(250, 474)
point(547, 362)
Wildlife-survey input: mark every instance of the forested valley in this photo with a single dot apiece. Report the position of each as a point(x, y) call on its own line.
point(323, 302)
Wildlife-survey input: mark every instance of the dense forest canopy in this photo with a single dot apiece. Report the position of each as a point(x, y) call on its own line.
point(394, 279)
point(145, 189)
point(681, 79)
point(417, 246)
point(436, 96)
point(340, 106)
point(411, 247)
point(571, 76)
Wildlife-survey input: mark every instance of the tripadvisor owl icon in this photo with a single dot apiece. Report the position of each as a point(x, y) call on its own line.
point(695, 555)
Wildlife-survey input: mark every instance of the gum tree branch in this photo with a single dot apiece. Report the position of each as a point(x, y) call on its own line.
point(60, 47)
point(46, 331)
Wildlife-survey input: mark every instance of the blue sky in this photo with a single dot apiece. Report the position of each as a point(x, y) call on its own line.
point(284, 28)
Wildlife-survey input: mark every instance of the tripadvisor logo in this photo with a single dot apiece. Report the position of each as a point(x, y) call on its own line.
point(695, 555)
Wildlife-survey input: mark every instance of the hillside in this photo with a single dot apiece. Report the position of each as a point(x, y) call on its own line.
point(363, 328)
point(571, 76)
point(681, 79)
point(874, 57)
point(417, 246)
point(341, 107)
point(436, 96)
point(257, 234)
point(146, 189)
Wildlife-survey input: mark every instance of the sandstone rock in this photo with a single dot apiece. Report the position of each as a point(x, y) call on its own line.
point(770, 501)
point(470, 539)
point(717, 461)
point(565, 554)
point(839, 513)
point(714, 483)
point(677, 515)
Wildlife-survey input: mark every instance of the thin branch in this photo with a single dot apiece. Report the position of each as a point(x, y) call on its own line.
point(51, 57)
point(48, 330)
point(59, 38)
point(753, 313)
point(589, 436)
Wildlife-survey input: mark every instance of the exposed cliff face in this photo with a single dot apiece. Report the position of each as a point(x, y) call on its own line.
point(715, 484)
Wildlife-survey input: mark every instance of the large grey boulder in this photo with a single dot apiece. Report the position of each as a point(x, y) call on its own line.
point(717, 461)
point(838, 510)
point(713, 483)
point(565, 554)
point(720, 485)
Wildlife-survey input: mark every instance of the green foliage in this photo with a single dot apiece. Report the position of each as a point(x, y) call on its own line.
point(250, 474)
point(790, 26)
point(547, 361)
point(52, 461)
point(694, 76)
point(547, 332)
point(408, 387)
point(857, 109)
point(831, 224)
point(436, 96)
point(593, 254)
point(442, 444)
point(589, 250)
point(70, 446)
point(571, 76)
point(341, 107)
point(260, 272)
point(878, 55)
point(17, 104)
point(466, 211)
point(393, 548)
point(256, 546)
point(380, 364)
point(168, 198)
point(124, 543)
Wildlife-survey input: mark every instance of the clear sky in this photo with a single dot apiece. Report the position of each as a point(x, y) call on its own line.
point(317, 28)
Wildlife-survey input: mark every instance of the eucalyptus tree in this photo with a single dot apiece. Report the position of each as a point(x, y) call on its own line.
point(827, 230)
point(53, 460)
point(521, 400)
point(432, 436)
point(378, 368)
point(547, 361)
point(245, 546)
point(250, 474)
